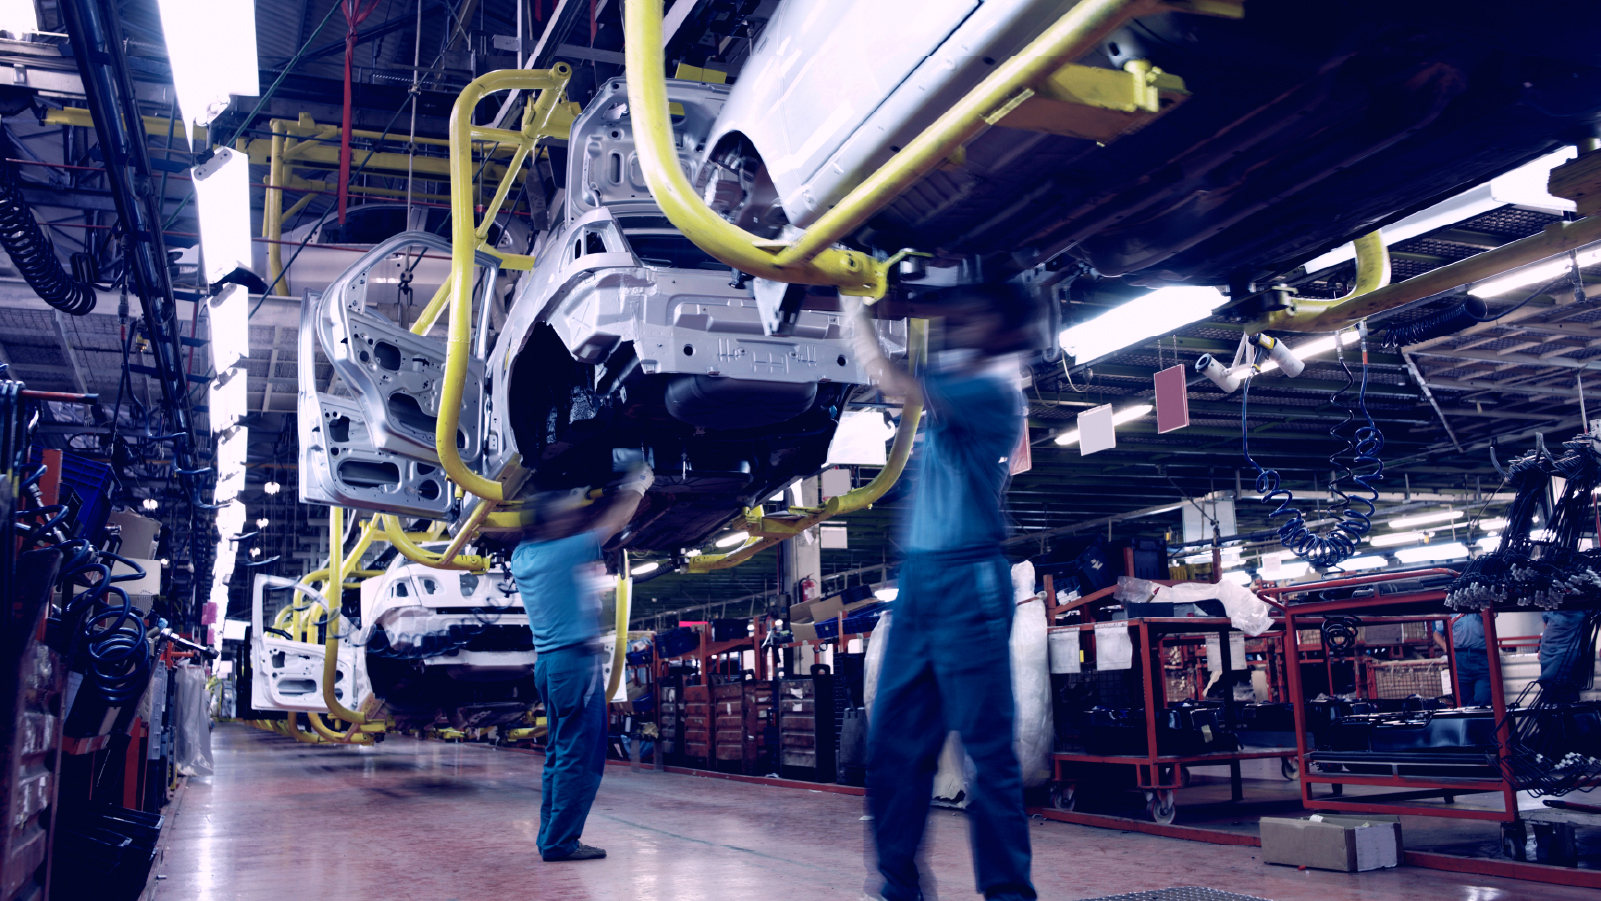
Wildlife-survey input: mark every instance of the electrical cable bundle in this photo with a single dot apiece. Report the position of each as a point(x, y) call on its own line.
point(1364, 445)
point(1546, 570)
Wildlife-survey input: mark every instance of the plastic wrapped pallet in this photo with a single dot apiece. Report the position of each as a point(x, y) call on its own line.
point(1032, 728)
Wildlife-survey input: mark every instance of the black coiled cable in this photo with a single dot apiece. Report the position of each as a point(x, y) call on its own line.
point(1470, 312)
point(31, 250)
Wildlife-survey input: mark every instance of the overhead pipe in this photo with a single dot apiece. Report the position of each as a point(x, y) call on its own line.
point(1554, 240)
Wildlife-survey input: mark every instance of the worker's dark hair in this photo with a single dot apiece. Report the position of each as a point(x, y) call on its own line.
point(1021, 309)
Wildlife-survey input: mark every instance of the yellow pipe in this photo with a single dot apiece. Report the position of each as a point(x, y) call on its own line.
point(625, 597)
point(464, 242)
point(766, 532)
point(402, 541)
point(272, 211)
point(1372, 273)
point(337, 569)
point(851, 271)
point(1555, 239)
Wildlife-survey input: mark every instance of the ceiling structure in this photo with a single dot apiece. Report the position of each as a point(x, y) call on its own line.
point(1440, 405)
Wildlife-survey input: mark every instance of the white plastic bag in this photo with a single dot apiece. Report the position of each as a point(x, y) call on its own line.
point(874, 664)
point(1249, 613)
point(192, 713)
point(1032, 727)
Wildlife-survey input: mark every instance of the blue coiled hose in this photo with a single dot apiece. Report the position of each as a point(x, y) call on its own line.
point(1339, 543)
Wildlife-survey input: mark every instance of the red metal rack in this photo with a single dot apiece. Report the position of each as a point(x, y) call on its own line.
point(1411, 788)
point(1155, 773)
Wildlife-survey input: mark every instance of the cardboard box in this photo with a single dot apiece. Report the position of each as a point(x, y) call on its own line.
point(1349, 844)
point(803, 631)
point(802, 613)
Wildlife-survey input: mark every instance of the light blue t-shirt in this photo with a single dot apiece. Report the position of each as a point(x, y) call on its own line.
point(1467, 632)
point(962, 467)
point(563, 608)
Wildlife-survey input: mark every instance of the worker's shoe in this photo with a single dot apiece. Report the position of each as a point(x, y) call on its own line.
point(582, 852)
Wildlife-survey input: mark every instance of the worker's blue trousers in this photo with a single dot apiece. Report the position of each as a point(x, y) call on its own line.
point(1473, 668)
point(948, 668)
point(569, 681)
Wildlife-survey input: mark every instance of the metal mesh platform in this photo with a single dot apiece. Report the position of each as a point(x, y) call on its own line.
point(1181, 893)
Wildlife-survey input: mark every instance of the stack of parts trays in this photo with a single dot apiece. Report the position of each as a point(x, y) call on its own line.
point(761, 730)
point(1396, 679)
point(668, 720)
point(697, 725)
point(806, 729)
point(728, 726)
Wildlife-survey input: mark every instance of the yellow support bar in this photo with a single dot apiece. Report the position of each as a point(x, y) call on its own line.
point(541, 117)
point(766, 531)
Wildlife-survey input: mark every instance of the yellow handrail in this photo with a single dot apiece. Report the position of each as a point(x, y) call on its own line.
point(465, 240)
point(812, 258)
point(766, 531)
point(338, 568)
point(1372, 273)
point(625, 598)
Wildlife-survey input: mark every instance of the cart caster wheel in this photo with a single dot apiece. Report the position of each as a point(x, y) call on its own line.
point(1062, 796)
point(1289, 769)
point(1161, 806)
point(1184, 776)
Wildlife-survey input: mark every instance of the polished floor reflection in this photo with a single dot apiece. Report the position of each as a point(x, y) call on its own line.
point(429, 821)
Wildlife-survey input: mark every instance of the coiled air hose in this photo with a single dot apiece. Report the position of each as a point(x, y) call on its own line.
point(1339, 543)
point(31, 250)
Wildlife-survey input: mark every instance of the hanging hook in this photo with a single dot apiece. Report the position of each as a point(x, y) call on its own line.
point(1499, 469)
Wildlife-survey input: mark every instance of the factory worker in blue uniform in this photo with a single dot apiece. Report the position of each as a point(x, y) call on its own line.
point(948, 665)
point(558, 572)
point(1567, 654)
point(1472, 659)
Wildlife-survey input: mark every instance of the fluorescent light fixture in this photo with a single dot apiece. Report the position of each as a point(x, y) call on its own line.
point(1537, 274)
point(228, 325)
point(1488, 543)
point(887, 594)
point(1542, 535)
point(1452, 550)
point(732, 539)
point(255, 551)
point(645, 569)
point(272, 488)
point(18, 17)
point(1423, 519)
point(1239, 577)
point(1493, 525)
point(1395, 538)
point(211, 46)
point(1523, 186)
point(222, 199)
point(1231, 557)
point(1127, 414)
point(226, 400)
point(231, 521)
point(694, 552)
point(1357, 564)
point(1147, 316)
point(261, 523)
point(1311, 349)
point(151, 503)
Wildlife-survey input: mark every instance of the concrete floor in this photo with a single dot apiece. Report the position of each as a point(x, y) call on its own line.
point(432, 821)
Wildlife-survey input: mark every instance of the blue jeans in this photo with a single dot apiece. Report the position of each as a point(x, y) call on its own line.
point(948, 667)
point(1473, 670)
point(1562, 645)
point(569, 681)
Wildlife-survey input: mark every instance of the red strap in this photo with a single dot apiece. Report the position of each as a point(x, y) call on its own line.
point(355, 14)
point(594, 23)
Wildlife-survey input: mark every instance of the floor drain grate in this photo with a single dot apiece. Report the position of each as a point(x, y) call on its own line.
point(1181, 893)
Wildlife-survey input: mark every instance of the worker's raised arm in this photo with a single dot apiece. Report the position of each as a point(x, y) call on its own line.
point(888, 377)
point(623, 503)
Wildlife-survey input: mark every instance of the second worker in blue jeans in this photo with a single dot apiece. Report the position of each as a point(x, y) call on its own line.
point(948, 663)
point(555, 568)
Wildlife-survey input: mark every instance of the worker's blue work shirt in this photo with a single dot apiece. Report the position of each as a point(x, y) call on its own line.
point(554, 580)
point(1467, 632)
point(964, 463)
